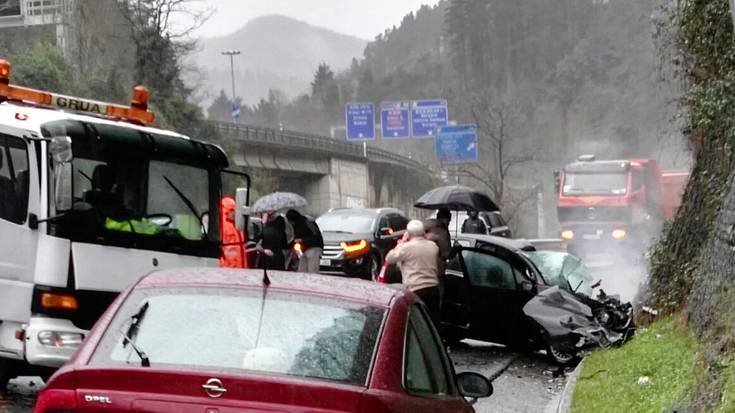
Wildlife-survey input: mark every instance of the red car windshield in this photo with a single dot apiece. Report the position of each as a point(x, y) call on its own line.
point(244, 331)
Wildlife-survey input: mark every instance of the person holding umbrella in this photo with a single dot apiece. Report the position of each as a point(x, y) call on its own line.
point(437, 230)
point(273, 242)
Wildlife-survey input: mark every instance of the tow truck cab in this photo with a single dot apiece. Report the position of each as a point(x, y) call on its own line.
point(88, 204)
point(610, 203)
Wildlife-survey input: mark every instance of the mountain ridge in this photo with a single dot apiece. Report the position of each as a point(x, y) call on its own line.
point(276, 52)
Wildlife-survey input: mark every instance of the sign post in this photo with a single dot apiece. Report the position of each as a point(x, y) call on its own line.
point(395, 120)
point(236, 112)
point(456, 144)
point(427, 116)
point(360, 121)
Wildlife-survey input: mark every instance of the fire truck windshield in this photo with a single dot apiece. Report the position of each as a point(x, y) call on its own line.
point(595, 184)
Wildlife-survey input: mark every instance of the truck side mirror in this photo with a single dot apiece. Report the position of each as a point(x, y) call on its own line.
point(557, 181)
point(242, 210)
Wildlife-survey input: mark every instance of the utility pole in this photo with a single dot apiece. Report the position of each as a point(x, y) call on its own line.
point(232, 54)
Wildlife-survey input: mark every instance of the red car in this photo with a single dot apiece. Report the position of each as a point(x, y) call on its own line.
point(224, 340)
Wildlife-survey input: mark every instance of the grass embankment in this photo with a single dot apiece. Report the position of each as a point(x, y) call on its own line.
point(614, 380)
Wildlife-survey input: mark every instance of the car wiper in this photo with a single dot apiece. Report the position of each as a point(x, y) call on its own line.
point(144, 360)
point(340, 232)
point(132, 332)
point(136, 319)
point(188, 203)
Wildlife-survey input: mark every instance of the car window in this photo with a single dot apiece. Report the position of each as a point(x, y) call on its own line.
point(14, 179)
point(426, 370)
point(496, 220)
point(454, 264)
point(486, 270)
point(384, 223)
point(398, 222)
point(236, 330)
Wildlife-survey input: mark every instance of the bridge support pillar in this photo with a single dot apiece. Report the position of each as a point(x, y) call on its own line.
point(346, 185)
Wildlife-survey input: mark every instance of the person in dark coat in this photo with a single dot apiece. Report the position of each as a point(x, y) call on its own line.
point(308, 233)
point(273, 242)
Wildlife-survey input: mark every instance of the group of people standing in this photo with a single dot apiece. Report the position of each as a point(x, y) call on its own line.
point(275, 245)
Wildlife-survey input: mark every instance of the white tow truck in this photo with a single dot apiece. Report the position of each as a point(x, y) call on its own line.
point(91, 198)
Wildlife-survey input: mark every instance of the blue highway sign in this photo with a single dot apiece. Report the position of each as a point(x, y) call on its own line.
point(360, 121)
point(395, 120)
point(427, 116)
point(235, 109)
point(457, 144)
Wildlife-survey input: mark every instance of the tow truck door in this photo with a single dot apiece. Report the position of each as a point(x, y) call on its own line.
point(19, 196)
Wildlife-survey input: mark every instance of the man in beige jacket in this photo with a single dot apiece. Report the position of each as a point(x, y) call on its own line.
point(417, 257)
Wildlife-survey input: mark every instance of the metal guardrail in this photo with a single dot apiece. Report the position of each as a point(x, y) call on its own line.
point(286, 139)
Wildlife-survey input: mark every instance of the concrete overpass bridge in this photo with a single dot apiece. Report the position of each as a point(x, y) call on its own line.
point(329, 173)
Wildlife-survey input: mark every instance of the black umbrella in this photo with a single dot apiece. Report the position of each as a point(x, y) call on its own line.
point(456, 198)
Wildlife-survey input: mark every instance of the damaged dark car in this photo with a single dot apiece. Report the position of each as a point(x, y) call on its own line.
point(505, 292)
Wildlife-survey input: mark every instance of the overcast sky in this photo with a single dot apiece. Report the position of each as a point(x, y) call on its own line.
point(361, 18)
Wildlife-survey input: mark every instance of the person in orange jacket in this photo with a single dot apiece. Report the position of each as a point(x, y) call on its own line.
point(233, 242)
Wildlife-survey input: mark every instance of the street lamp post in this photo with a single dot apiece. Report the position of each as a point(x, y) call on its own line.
point(232, 54)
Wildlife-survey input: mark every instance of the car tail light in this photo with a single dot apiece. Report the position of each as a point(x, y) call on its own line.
point(355, 247)
point(619, 234)
point(56, 301)
point(56, 401)
point(567, 234)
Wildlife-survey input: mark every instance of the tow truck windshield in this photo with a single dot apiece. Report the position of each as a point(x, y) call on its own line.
point(140, 190)
point(595, 184)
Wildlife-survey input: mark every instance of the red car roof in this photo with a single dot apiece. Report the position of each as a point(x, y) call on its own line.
point(340, 287)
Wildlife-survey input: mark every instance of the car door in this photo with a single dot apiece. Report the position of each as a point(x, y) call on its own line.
point(428, 375)
point(455, 317)
point(383, 241)
point(19, 196)
point(498, 290)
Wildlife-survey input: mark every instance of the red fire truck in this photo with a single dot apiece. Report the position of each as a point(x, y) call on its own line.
point(607, 204)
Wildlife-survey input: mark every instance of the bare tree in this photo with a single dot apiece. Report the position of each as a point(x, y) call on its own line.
point(500, 144)
point(161, 32)
point(160, 17)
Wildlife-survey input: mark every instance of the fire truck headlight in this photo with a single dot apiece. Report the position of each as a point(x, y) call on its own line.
point(619, 234)
point(567, 234)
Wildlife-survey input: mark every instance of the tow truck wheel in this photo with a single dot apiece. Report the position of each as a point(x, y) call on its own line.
point(6, 373)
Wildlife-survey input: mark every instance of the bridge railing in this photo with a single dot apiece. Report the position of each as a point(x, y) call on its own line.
point(300, 140)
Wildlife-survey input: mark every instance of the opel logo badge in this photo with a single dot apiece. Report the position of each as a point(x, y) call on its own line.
point(214, 388)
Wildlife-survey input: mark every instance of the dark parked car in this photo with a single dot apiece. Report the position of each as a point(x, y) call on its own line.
point(208, 340)
point(357, 240)
point(489, 282)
